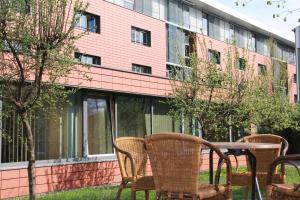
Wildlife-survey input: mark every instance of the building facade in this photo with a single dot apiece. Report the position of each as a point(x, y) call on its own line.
point(132, 49)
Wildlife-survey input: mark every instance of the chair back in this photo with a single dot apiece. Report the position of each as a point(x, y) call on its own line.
point(264, 157)
point(136, 148)
point(175, 160)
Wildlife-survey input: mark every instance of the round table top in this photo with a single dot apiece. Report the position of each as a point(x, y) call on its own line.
point(245, 145)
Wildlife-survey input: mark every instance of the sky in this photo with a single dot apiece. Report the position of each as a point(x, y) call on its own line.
point(260, 11)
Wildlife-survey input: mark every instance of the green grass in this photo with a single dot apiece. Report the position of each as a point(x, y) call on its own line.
point(108, 193)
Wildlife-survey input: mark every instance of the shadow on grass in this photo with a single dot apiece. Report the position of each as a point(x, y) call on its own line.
point(108, 193)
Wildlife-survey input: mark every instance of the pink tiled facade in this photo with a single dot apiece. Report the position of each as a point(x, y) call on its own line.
point(117, 53)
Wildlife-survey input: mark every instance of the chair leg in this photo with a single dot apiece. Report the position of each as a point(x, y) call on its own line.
point(246, 192)
point(133, 194)
point(146, 194)
point(157, 195)
point(121, 187)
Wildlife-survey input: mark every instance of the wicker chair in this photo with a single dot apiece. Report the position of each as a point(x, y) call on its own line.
point(264, 157)
point(132, 158)
point(175, 161)
point(282, 191)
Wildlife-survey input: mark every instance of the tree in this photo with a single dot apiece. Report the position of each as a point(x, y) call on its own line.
point(280, 4)
point(214, 95)
point(230, 98)
point(36, 48)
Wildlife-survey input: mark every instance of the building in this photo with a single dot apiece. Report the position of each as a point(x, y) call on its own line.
point(130, 47)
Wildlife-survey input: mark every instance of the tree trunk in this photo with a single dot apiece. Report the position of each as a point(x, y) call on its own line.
point(31, 156)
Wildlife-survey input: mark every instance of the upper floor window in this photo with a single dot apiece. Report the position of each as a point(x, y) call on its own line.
point(241, 64)
point(295, 78)
point(140, 36)
point(295, 98)
point(87, 59)
point(88, 22)
point(262, 69)
point(141, 69)
point(214, 56)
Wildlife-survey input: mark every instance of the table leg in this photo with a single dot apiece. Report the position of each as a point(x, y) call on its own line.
point(211, 166)
point(255, 186)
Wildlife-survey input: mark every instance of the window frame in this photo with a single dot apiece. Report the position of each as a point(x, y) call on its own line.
point(261, 69)
point(85, 141)
point(143, 34)
point(216, 54)
point(141, 67)
point(241, 64)
point(88, 16)
point(78, 60)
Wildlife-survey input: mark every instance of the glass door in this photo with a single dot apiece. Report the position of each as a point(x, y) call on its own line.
point(97, 126)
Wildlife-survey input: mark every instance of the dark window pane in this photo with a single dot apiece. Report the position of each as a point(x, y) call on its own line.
point(133, 116)
point(242, 64)
point(262, 69)
point(162, 122)
point(214, 56)
point(87, 59)
point(141, 69)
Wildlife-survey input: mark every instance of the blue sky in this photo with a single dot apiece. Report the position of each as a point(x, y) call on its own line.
point(258, 10)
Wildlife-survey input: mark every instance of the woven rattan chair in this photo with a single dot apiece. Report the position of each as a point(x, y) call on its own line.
point(132, 158)
point(175, 161)
point(283, 191)
point(264, 157)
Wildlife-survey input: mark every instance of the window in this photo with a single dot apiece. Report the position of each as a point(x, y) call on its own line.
point(177, 72)
point(186, 16)
point(88, 22)
point(140, 36)
point(98, 126)
point(295, 98)
point(143, 6)
point(262, 69)
point(261, 45)
point(57, 135)
point(141, 69)
point(295, 78)
point(87, 59)
point(162, 122)
point(133, 116)
point(241, 64)
point(214, 56)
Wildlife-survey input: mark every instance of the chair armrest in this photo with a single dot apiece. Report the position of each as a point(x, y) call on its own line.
point(227, 162)
point(282, 159)
point(127, 155)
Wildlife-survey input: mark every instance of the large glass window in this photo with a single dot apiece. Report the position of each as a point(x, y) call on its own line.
point(262, 45)
point(162, 122)
point(60, 129)
point(133, 116)
point(99, 126)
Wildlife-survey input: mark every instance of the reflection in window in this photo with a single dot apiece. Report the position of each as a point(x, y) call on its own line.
point(133, 116)
point(88, 22)
point(162, 122)
point(61, 130)
point(99, 126)
point(214, 56)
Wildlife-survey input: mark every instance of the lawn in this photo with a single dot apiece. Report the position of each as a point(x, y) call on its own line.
point(108, 193)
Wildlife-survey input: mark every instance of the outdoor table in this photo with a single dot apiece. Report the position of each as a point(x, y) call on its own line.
point(238, 149)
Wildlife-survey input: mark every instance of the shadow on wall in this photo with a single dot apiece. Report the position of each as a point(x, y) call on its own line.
point(73, 176)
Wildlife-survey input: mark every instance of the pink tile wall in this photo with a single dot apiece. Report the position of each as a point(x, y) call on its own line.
point(114, 44)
